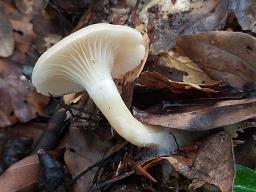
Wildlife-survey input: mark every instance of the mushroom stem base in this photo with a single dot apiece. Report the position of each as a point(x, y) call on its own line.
point(105, 95)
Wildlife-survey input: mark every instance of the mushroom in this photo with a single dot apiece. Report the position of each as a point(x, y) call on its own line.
point(88, 60)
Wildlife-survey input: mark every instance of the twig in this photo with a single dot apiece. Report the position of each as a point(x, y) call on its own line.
point(115, 179)
point(100, 163)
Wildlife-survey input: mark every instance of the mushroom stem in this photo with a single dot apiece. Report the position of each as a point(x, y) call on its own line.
point(105, 95)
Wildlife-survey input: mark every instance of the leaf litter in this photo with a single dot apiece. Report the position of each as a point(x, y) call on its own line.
point(195, 81)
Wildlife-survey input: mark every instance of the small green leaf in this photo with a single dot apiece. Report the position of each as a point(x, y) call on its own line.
point(245, 180)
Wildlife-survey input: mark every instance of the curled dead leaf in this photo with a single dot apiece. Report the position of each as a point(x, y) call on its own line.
point(225, 56)
point(220, 114)
point(213, 164)
point(191, 73)
point(83, 150)
point(158, 81)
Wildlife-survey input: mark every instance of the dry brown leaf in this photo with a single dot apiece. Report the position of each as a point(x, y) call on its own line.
point(213, 164)
point(73, 98)
point(83, 150)
point(191, 73)
point(36, 102)
point(23, 34)
point(245, 12)
point(225, 56)
point(158, 81)
point(20, 102)
point(220, 114)
point(6, 34)
point(21, 176)
point(165, 20)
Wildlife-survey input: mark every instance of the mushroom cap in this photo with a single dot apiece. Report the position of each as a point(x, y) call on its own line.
point(88, 54)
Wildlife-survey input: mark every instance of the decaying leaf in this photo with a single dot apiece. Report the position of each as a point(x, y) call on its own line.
point(213, 164)
point(158, 81)
point(6, 34)
point(191, 73)
point(83, 150)
point(31, 130)
point(22, 176)
point(165, 20)
point(226, 56)
point(23, 34)
point(73, 98)
point(217, 115)
point(245, 12)
point(20, 102)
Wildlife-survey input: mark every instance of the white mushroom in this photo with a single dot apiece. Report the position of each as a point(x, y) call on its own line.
point(87, 60)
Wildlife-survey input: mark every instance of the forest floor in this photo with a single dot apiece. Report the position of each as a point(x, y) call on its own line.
point(197, 80)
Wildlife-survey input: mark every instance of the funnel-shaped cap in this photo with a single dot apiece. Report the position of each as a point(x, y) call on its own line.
point(92, 52)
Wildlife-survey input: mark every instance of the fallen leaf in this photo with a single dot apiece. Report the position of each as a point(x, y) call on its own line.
point(6, 34)
point(73, 98)
point(191, 73)
point(19, 100)
point(245, 12)
point(36, 102)
point(220, 114)
point(213, 164)
point(22, 176)
point(224, 56)
point(30, 130)
point(23, 34)
point(166, 20)
point(83, 150)
point(158, 81)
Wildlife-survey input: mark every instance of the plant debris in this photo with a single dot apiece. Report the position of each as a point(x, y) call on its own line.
point(196, 81)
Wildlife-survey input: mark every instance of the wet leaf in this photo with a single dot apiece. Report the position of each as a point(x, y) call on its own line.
point(213, 164)
point(245, 12)
point(245, 179)
point(217, 115)
point(225, 56)
point(21, 176)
